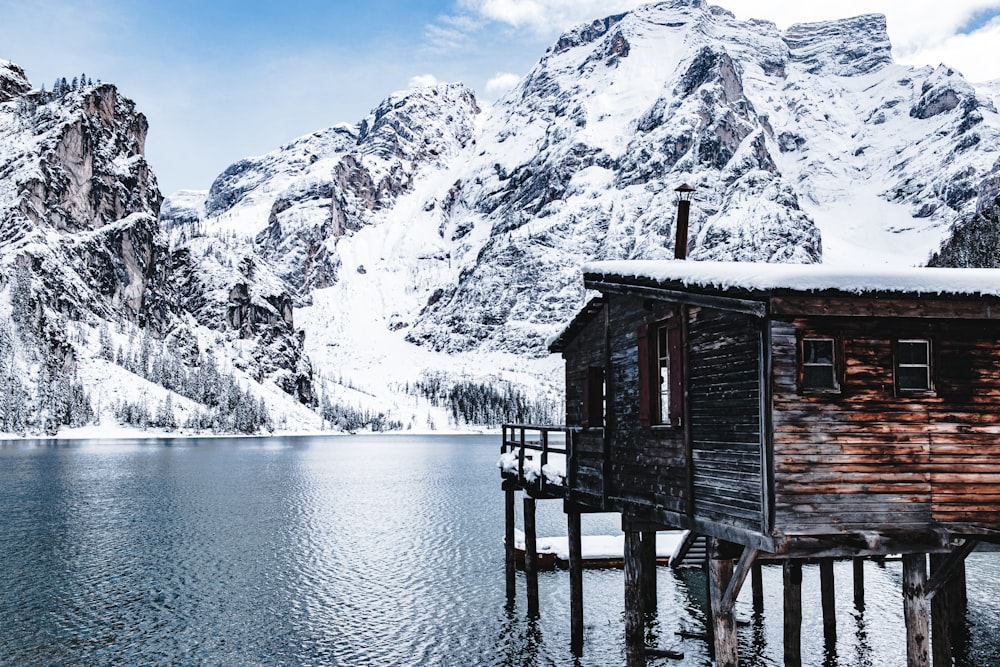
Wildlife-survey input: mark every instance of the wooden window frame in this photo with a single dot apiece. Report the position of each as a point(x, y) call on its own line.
point(897, 364)
point(835, 364)
point(651, 412)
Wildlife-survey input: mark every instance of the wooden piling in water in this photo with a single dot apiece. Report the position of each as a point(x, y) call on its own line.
point(792, 578)
point(648, 569)
point(575, 580)
point(510, 548)
point(941, 630)
point(635, 641)
point(757, 584)
point(916, 610)
point(531, 555)
point(723, 618)
point(859, 582)
point(828, 599)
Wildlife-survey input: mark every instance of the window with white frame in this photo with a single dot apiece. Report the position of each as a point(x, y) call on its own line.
point(819, 367)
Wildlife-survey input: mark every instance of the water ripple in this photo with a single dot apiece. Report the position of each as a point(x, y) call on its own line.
point(363, 551)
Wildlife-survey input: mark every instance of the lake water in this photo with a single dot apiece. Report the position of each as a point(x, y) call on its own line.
point(348, 551)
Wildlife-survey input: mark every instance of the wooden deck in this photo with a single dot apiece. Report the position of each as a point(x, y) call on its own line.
point(534, 458)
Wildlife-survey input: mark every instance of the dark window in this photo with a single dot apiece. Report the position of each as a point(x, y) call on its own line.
point(660, 383)
point(819, 368)
point(594, 392)
point(913, 365)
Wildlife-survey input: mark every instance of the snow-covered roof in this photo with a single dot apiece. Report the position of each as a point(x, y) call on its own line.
point(761, 277)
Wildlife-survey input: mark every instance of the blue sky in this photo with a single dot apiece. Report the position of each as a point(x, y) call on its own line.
point(224, 80)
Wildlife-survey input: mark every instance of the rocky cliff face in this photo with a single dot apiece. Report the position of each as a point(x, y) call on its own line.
point(79, 209)
point(79, 196)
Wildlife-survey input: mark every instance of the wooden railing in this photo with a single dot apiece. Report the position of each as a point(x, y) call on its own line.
point(536, 457)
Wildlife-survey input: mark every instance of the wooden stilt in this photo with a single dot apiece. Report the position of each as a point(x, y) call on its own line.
point(575, 581)
point(941, 634)
point(648, 546)
point(635, 653)
point(709, 623)
point(510, 553)
point(827, 595)
point(720, 573)
point(859, 583)
point(792, 575)
point(959, 597)
point(757, 584)
point(531, 555)
point(916, 610)
point(958, 602)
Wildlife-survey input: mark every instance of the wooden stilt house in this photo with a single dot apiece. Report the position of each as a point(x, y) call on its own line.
point(789, 412)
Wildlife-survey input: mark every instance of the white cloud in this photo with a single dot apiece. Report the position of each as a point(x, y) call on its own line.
point(423, 81)
point(500, 83)
point(965, 53)
point(546, 17)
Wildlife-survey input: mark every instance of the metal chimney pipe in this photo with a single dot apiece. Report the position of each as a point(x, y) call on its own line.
point(683, 211)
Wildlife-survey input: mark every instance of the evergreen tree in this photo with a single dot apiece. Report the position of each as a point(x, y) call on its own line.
point(106, 346)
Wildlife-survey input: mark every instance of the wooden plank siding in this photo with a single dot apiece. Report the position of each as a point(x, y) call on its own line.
point(586, 465)
point(724, 407)
point(649, 464)
point(869, 458)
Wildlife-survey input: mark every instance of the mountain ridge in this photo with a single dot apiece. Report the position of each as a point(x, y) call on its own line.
point(436, 243)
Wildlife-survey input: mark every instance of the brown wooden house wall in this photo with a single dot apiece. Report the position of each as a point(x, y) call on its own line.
point(867, 459)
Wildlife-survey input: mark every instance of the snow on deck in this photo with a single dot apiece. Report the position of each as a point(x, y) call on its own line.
point(805, 277)
point(601, 547)
point(554, 468)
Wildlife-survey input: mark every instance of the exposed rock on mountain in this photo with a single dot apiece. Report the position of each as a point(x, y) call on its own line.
point(13, 82)
point(79, 231)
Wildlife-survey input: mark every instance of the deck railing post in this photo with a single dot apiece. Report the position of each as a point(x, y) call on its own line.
point(520, 458)
point(545, 458)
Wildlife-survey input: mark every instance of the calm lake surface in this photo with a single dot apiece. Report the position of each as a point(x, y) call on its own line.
point(349, 551)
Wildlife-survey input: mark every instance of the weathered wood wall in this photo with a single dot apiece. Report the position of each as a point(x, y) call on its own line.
point(586, 474)
point(724, 396)
point(649, 464)
point(868, 459)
